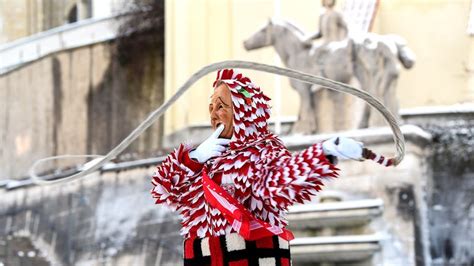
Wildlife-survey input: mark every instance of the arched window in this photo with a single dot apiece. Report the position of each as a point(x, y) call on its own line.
point(72, 15)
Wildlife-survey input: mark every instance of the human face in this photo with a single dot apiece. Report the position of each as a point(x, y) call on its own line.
point(328, 3)
point(221, 112)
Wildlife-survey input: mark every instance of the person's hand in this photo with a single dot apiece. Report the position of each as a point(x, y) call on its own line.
point(343, 148)
point(211, 147)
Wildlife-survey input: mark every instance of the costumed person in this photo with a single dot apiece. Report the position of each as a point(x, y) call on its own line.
point(233, 190)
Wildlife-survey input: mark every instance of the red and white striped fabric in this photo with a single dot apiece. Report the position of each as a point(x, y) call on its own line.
point(370, 155)
point(241, 220)
point(257, 171)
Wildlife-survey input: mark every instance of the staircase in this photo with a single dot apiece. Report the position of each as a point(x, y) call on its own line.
point(330, 233)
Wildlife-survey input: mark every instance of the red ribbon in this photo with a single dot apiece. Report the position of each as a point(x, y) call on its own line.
point(241, 219)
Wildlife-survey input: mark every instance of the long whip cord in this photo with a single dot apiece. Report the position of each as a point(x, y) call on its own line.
point(294, 74)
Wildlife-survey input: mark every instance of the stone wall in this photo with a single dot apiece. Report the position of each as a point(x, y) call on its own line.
point(79, 101)
point(106, 218)
point(450, 189)
point(110, 217)
point(24, 18)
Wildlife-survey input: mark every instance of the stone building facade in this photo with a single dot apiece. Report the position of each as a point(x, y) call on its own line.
point(86, 96)
point(83, 97)
point(375, 215)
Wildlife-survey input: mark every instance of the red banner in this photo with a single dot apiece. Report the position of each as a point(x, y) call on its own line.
point(241, 219)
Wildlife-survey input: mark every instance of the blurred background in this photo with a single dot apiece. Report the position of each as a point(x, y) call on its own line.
point(77, 76)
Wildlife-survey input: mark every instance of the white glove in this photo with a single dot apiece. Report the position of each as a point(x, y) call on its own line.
point(211, 147)
point(343, 148)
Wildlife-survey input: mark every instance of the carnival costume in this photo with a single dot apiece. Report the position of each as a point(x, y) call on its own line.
point(233, 206)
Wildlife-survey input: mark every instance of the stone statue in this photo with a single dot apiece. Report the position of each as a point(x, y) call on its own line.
point(332, 26)
point(371, 59)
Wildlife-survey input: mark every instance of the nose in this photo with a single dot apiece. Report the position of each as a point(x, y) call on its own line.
point(213, 115)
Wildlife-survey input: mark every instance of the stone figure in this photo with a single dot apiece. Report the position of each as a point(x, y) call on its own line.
point(371, 59)
point(332, 26)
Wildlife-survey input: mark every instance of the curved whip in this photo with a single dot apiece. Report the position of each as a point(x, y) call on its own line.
point(294, 74)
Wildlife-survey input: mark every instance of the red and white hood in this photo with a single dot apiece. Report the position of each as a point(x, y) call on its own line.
point(250, 106)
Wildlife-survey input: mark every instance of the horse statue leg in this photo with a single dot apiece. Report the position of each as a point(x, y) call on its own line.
point(366, 62)
point(307, 115)
point(336, 64)
point(378, 70)
point(389, 85)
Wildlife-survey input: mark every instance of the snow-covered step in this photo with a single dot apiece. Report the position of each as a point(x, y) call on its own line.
point(334, 248)
point(334, 214)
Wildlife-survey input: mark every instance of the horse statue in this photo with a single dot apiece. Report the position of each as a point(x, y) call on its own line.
point(371, 59)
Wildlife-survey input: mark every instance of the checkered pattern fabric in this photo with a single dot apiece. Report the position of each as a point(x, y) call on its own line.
point(234, 250)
